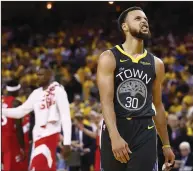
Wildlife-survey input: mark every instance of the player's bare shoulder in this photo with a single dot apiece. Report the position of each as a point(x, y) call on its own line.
point(107, 61)
point(158, 63)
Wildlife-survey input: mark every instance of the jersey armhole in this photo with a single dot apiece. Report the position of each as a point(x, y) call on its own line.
point(153, 62)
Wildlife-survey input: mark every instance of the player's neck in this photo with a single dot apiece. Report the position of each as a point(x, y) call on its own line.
point(45, 86)
point(133, 46)
point(12, 94)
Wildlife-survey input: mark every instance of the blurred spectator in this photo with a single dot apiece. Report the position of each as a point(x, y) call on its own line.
point(76, 105)
point(73, 87)
point(82, 144)
point(184, 162)
point(189, 125)
point(61, 162)
point(97, 121)
point(177, 134)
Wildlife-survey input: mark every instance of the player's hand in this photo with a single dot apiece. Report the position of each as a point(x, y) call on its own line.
point(169, 158)
point(120, 149)
point(23, 155)
point(86, 150)
point(66, 151)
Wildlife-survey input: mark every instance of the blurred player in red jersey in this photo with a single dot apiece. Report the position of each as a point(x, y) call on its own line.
point(12, 133)
point(51, 108)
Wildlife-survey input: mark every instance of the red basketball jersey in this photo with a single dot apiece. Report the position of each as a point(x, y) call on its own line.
point(8, 127)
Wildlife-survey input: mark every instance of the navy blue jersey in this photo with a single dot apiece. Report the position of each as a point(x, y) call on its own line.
point(133, 79)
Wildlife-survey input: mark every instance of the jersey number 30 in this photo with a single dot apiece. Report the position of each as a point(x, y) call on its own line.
point(131, 102)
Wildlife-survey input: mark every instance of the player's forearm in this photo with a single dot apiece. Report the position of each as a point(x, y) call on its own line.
point(66, 121)
point(67, 126)
point(20, 134)
point(64, 111)
point(16, 113)
point(161, 124)
point(110, 118)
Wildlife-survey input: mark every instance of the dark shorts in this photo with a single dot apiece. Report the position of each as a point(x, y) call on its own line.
point(140, 134)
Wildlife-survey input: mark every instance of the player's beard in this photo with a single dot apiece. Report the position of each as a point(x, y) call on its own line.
point(139, 34)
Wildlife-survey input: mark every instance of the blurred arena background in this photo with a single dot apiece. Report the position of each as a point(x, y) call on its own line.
point(70, 36)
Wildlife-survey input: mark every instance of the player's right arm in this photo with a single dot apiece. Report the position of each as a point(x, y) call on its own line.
point(105, 81)
point(20, 111)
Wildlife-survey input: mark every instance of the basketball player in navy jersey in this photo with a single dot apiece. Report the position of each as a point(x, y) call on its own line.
point(129, 80)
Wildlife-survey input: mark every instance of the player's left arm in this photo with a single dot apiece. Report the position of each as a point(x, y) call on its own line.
point(19, 128)
point(64, 111)
point(160, 118)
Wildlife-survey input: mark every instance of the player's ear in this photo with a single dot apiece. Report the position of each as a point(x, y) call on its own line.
point(125, 27)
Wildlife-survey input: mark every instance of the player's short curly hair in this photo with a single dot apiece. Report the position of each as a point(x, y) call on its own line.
point(123, 16)
point(13, 82)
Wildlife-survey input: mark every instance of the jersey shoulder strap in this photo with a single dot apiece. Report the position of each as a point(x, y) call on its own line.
point(152, 61)
point(116, 53)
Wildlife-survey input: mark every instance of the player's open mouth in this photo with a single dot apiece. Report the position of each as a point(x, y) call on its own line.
point(144, 27)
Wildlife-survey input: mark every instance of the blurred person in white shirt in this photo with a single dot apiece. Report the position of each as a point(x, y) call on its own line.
point(185, 161)
point(51, 107)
